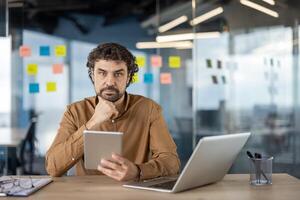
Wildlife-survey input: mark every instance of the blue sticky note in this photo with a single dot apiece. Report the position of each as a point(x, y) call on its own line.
point(44, 50)
point(148, 78)
point(34, 88)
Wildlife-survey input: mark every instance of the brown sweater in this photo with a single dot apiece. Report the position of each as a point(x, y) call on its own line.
point(146, 139)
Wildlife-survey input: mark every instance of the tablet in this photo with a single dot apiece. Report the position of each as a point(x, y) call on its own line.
point(100, 144)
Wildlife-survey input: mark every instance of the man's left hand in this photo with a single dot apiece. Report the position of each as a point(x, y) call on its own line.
point(119, 168)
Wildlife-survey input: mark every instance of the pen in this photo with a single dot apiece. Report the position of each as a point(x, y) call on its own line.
point(257, 169)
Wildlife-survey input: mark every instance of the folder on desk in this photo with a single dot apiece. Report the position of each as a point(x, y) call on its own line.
point(18, 190)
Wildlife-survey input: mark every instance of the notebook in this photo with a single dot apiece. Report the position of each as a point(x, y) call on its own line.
point(21, 186)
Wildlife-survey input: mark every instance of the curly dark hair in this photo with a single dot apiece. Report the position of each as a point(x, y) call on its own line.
point(115, 52)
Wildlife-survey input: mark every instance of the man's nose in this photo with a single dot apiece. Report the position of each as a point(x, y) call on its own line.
point(110, 80)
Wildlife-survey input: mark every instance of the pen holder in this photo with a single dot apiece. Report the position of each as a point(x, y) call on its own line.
point(261, 170)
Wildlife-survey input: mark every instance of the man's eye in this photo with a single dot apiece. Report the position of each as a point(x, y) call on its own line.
point(101, 73)
point(118, 74)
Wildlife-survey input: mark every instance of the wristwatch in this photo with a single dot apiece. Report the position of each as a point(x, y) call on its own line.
point(139, 172)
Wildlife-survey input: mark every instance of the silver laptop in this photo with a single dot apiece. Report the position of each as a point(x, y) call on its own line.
point(209, 163)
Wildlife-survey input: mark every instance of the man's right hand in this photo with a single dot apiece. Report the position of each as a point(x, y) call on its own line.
point(104, 110)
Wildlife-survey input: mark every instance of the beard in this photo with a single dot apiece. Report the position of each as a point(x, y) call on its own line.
point(110, 93)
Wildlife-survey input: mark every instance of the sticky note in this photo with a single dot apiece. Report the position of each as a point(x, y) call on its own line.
point(156, 61)
point(174, 62)
point(24, 51)
point(34, 88)
point(57, 68)
point(271, 61)
point(141, 61)
point(208, 63)
point(214, 79)
point(224, 79)
point(44, 51)
point(60, 50)
point(219, 64)
point(135, 78)
point(165, 78)
point(148, 78)
point(32, 69)
point(51, 86)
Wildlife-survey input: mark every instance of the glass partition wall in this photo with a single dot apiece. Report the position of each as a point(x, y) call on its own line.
point(246, 78)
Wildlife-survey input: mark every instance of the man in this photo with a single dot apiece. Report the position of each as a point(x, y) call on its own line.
point(148, 149)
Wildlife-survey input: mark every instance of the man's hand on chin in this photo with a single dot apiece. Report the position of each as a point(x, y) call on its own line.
point(119, 168)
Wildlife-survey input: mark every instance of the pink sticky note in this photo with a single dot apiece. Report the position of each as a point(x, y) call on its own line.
point(156, 61)
point(57, 68)
point(165, 78)
point(24, 51)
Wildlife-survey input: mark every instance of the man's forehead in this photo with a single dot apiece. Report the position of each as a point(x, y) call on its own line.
point(110, 64)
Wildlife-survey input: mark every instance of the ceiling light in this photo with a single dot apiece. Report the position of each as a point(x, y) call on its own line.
point(173, 23)
point(187, 36)
point(154, 45)
point(206, 16)
point(271, 2)
point(259, 8)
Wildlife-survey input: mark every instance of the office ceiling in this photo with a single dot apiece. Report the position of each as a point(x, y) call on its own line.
point(45, 14)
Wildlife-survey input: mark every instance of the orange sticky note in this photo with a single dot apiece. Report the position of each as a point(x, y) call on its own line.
point(174, 62)
point(51, 87)
point(57, 68)
point(156, 61)
point(60, 50)
point(165, 78)
point(32, 69)
point(135, 78)
point(141, 61)
point(24, 51)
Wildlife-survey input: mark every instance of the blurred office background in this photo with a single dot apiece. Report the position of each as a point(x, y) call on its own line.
point(215, 66)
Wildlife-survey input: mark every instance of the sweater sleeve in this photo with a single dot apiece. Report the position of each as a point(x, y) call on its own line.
point(164, 159)
point(67, 147)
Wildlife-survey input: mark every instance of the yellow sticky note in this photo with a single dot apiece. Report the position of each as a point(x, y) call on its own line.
point(135, 78)
point(51, 86)
point(60, 50)
point(174, 62)
point(141, 61)
point(32, 69)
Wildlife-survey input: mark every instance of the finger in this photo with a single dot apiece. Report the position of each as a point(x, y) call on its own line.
point(108, 172)
point(117, 175)
point(112, 165)
point(115, 114)
point(119, 159)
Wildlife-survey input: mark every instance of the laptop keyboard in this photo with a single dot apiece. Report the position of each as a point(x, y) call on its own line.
point(166, 185)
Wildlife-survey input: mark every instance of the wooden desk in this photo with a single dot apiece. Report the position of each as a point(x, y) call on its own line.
point(233, 187)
